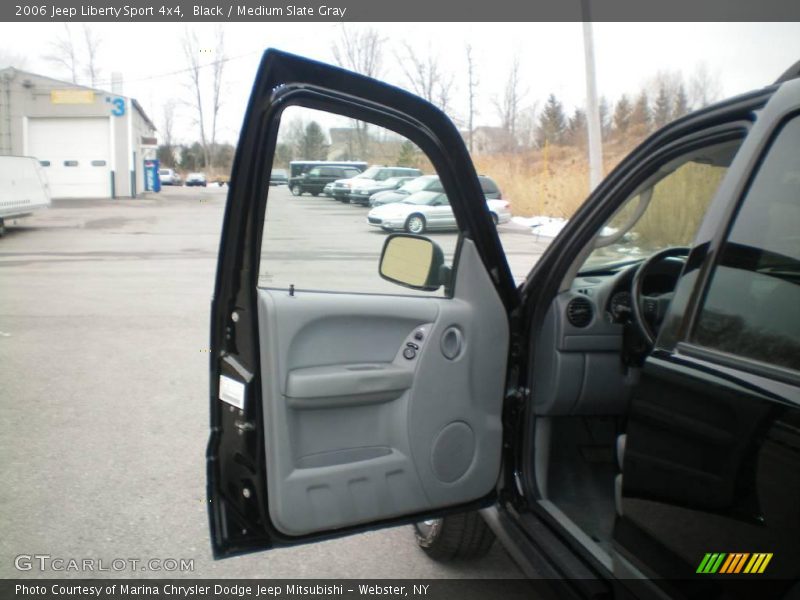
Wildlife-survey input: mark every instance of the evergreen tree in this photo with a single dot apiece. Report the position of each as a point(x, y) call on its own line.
point(662, 108)
point(552, 123)
point(313, 145)
point(681, 106)
point(165, 156)
point(283, 155)
point(641, 119)
point(576, 129)
point(408, 155)
point(623, 113)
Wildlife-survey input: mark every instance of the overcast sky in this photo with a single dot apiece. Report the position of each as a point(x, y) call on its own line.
point(743, 56)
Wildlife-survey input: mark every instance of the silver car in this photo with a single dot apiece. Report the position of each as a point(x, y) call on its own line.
point(425, 211)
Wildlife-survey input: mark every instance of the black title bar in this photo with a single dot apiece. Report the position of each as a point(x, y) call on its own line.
point(405, 10)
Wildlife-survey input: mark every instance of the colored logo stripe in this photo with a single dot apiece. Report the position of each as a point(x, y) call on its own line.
point(733, 563)
point(758, 563)
point(711, 562)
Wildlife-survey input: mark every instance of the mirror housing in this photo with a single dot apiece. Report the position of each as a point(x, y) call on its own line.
point(413, 261)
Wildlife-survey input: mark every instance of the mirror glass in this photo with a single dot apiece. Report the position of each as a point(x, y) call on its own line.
point(411, 261)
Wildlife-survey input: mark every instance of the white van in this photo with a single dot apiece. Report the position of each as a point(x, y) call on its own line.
point(23, 187)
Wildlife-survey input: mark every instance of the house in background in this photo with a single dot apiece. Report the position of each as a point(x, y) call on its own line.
point(91, 143)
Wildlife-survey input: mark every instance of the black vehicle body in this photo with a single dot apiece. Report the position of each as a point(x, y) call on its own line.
point(314, 180)
point(298, 167)
point(342, 190)
point(363, 195)
point(707, 440)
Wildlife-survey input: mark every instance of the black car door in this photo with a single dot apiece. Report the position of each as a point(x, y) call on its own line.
point(336, 411)
point(711, 459)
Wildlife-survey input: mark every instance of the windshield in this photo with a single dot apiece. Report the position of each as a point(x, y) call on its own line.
point(666, 211)
point(419, 184)
point(369, 173)
point(424, 198)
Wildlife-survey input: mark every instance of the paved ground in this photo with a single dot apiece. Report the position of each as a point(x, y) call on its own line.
point(103, 347)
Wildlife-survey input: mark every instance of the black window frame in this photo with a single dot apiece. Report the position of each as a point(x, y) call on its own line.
point(686, 344)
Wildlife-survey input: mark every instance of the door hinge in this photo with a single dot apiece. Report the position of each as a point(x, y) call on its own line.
point(244, 426)
point(518, 394)
point(518, 483)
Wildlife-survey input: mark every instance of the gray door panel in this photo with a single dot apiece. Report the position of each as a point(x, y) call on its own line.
point(356, 431)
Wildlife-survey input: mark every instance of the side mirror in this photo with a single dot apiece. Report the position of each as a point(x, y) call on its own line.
point(412, 261)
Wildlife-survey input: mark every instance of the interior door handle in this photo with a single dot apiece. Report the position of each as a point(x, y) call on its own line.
point(346, 385)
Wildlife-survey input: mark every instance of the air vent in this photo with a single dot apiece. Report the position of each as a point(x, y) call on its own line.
point(579, 312)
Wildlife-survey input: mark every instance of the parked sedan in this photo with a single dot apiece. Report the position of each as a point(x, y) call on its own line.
point(363, 195)
point(169, 177)
point(279, 177)
point(428, 210)
point(430, 183)
point(196, 179)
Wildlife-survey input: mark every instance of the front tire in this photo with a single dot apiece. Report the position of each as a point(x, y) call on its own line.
point(461, 536)
point(297, 190)
point(415, 224)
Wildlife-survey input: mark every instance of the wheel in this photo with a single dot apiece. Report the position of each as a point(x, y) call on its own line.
point(494, 219)
point(659, 304)
point(465, 535)
point(297, 190)
point(415, 224)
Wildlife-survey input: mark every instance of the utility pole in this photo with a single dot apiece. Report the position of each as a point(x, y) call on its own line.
point(592, 108)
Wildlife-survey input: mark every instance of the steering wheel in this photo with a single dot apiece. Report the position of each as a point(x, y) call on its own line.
point(643, 306)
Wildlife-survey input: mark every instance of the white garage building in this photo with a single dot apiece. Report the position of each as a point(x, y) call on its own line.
point(91, 143)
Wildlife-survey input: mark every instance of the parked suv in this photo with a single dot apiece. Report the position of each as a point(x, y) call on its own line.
point(315, 180)
point(627, 420)
point(343, 190)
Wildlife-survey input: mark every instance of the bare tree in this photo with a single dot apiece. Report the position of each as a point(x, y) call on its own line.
point(92, 41)
point(191, 51)
point(12, 59)
point(704, 87)
point(508, 105)
point(166, 150)
point(64, 53)
point(361, 51)
point(168, 124)
point(527, 126)
point(218, 67)
point(425, 76)
point(472, 83)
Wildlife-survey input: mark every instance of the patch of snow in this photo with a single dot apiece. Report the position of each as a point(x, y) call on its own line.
point(542, 226)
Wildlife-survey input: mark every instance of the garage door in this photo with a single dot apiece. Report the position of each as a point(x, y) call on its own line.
point(75, 154)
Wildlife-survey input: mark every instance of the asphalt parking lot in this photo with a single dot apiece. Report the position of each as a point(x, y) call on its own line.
point(104, 354)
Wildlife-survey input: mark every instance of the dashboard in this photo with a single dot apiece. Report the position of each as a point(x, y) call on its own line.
point(586, 333)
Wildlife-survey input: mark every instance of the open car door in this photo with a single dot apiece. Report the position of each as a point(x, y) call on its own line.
point(333, 409)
